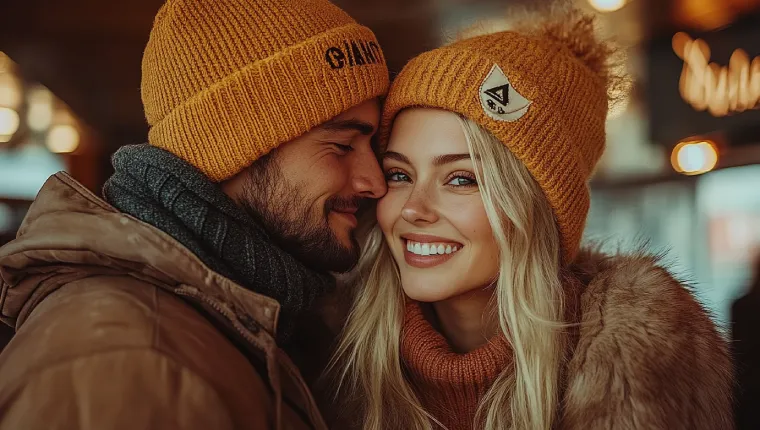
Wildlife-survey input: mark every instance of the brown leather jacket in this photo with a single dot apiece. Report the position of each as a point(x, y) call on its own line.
point(121, 327)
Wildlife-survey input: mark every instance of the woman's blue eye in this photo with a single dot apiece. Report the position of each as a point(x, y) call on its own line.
point(396, 177)
point(461, 181)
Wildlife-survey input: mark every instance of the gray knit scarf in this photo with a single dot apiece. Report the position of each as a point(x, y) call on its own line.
point(161, 189)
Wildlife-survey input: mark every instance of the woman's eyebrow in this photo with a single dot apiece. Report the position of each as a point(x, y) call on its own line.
point(438, 160)
point(395, 156)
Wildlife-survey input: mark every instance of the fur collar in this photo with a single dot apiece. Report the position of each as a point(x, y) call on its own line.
point(647, 355)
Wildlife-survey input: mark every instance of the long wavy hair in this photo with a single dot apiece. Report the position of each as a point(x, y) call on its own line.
point(529, 306)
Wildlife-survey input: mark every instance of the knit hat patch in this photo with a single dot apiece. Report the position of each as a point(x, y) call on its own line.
point(499, 98)
point(353, 53)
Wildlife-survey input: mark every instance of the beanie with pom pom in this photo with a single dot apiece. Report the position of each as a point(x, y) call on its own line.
point(540, 89)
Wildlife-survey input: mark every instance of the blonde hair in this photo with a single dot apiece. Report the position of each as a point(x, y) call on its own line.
point(529, 307)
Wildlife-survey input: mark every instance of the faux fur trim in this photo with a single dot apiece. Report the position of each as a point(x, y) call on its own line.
point(648, 356)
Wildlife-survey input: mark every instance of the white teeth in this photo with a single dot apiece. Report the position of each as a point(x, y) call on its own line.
point(420, 248)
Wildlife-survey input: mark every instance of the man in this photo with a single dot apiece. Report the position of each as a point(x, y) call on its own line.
point(165, 306)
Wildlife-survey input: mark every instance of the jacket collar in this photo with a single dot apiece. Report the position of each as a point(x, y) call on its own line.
point(98, 238)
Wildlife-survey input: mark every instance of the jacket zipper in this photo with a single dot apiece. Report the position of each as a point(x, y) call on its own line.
point(271, 363)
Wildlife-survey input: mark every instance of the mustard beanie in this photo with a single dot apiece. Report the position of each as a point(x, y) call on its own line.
point(542, 91)
point(226, 81)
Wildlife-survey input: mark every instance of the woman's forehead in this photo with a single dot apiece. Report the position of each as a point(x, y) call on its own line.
point(422, 133)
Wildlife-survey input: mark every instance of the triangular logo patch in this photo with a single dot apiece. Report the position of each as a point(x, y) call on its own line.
point(500, 94)
point(499, 98)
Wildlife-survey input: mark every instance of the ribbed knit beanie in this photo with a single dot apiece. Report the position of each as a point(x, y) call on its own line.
point(542, 90)
point(226, 81)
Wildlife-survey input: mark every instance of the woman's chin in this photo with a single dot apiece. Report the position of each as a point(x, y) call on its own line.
point(427, 294)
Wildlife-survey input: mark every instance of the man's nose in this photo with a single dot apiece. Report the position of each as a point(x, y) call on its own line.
point(368, 179)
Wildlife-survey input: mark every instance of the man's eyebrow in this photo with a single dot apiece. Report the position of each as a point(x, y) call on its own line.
point(362, 127)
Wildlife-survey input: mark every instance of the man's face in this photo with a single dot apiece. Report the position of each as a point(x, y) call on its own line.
point(307, 192)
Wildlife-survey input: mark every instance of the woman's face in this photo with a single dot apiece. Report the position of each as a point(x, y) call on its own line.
point(433, 216)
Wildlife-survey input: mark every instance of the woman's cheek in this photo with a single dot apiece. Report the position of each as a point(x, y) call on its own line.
point(387, 210)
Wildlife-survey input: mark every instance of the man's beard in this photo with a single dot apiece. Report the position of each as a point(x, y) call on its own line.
point(280, 208)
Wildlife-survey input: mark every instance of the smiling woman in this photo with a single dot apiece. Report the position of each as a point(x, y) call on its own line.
point(476, 307)
point(433, 201)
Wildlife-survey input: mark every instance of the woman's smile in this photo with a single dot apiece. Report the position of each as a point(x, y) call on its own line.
point(424, 251)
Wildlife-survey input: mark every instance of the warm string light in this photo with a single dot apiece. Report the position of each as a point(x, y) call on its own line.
point(719, 90)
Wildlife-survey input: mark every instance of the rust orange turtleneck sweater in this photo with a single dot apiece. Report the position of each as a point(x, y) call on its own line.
point(449, 385)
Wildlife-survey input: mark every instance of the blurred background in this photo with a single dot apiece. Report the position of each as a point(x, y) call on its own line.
point(682, 180)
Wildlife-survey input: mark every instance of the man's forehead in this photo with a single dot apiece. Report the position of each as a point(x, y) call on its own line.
point(364, 126)
point(368, 112)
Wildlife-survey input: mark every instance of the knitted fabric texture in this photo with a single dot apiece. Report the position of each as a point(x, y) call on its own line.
point(226, 81)
point(449, 385)
point(534, 95)
point(162, 190)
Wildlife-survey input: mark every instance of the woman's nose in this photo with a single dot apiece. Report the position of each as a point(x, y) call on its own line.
point(418, 210)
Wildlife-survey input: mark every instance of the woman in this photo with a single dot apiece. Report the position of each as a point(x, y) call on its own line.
point(475, 306)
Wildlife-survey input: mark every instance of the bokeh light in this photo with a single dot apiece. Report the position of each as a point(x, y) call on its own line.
point(63, 139)
point(694, 157)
